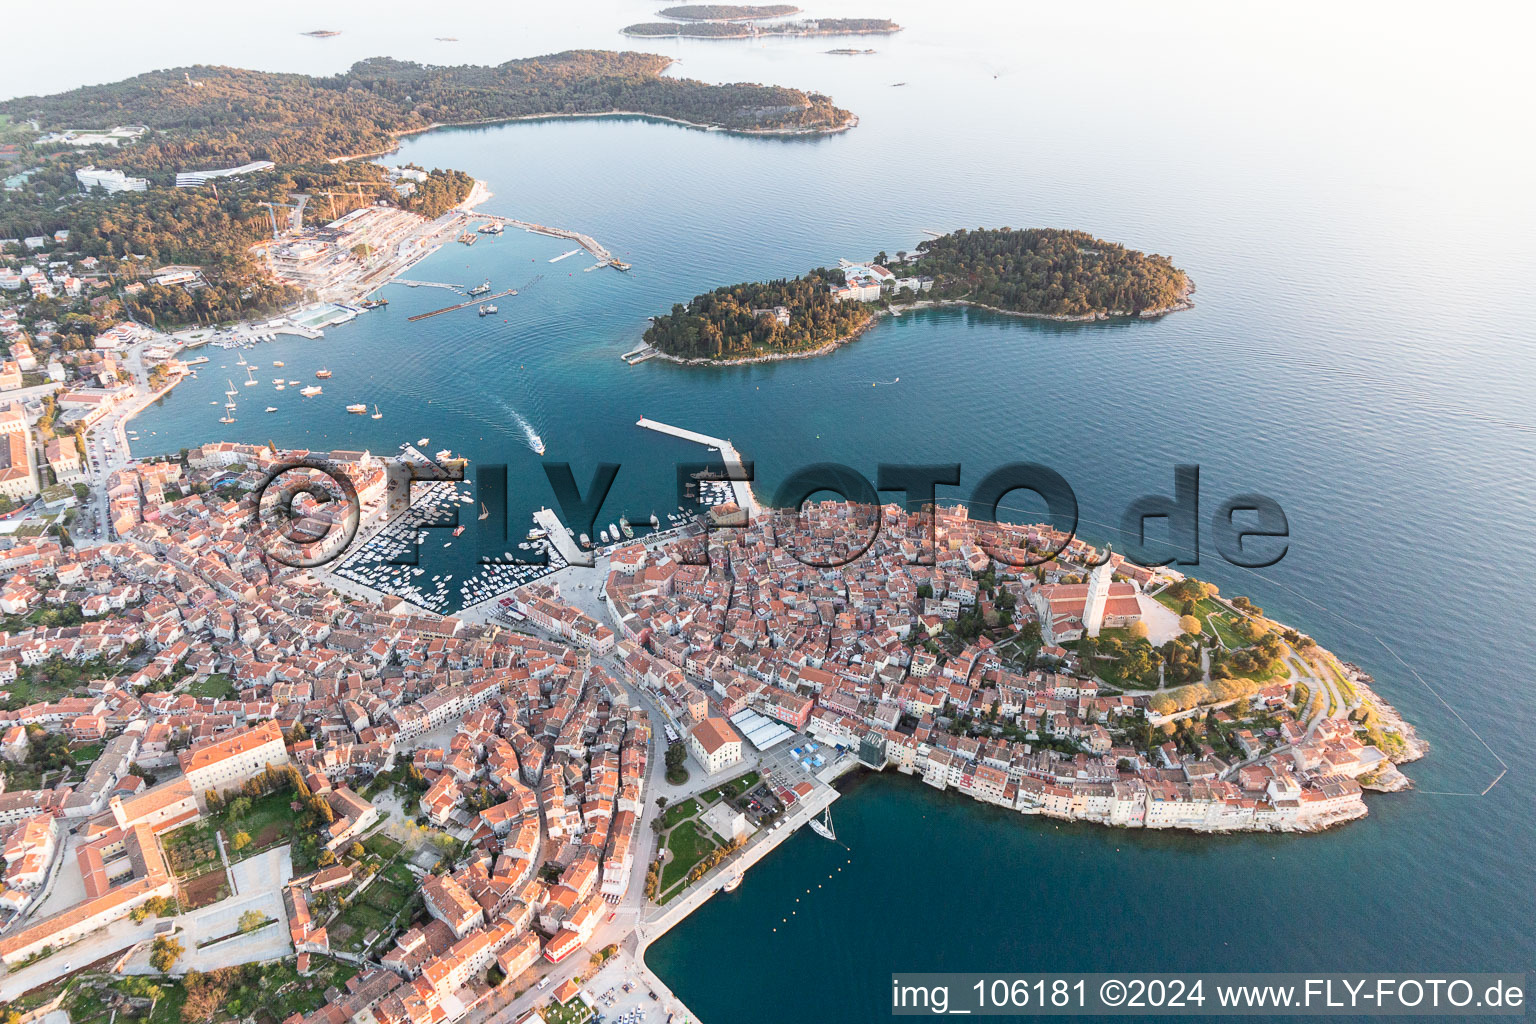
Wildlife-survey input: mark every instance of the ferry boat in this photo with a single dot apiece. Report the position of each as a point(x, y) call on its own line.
point(311, 391)
point(628, 531)
point(323, 373)
point(481, 288)
point(488, 310)
point(357, 409)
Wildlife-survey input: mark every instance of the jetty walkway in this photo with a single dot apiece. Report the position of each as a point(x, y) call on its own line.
point(587, 242)
point(728, 454)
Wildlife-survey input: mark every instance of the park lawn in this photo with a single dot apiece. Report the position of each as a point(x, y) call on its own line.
point(88, 753)
point(1275, 671)
point(736, 787)
point(381, 846)
point(573, 1012)
point(1212, 616)
point(1346, 688)
point(679, 812)
point(688, 844)
point(302, 995)
point(399, 875)
point(387, 895)
point(358, 920)
point(269, 823)
point(167, 1009)
point(218, 686)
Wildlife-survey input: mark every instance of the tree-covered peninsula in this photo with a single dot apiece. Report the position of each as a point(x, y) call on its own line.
point(1043, 272)
point(762, 318)
point(203, 118)
point(230, 115)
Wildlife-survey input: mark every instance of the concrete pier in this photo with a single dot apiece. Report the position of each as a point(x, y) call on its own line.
point(564, 543)
point(587, 242)
point(728, 455)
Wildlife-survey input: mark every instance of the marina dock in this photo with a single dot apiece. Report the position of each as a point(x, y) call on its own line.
point(464, 305)
point(728, 455)
point(429, 284)
point(639, 354)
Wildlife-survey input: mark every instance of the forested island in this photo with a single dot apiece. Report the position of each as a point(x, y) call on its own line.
point(1047, 272)
point(1038, 272)
point(741, 30)
point(727, 12)
point(760, 318)
point(202, 118)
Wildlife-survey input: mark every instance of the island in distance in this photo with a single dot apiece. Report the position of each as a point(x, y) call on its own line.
point(728, 12)
point(744, 27)
point(1038, 272)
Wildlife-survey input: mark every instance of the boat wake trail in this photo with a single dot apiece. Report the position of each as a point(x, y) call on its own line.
point(530, 436)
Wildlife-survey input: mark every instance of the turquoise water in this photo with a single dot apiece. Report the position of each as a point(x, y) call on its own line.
point(1362, 351)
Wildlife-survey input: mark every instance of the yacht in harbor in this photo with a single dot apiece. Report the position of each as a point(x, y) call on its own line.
point(357, 409)
point(323, 373)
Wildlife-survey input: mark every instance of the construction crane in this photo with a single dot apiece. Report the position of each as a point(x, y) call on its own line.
point(356, 193)
point(272, 209)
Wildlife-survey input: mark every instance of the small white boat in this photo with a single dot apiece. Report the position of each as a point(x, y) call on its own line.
point(271, 408)
point(422, 442)
point(358, 409)
point(376, 414)
point(823, 828)
point(311, 391)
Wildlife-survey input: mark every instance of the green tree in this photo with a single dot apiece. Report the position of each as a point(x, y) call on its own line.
point(164, 953)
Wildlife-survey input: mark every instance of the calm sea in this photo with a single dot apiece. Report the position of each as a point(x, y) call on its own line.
point(1347, 191)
